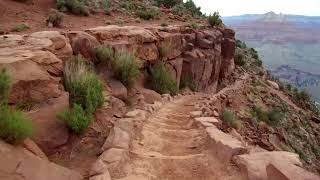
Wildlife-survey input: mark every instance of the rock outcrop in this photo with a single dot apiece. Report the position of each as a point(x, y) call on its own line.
point(33, 65)
point(18, 163)
point(36, 60)
point(204, 55)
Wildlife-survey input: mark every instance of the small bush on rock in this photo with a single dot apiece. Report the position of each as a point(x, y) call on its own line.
point(188, 82)
point(241, 44)
point(166, 3)
point(147, 14)
point(103, 54)
point(194, 25)
point(77, 7)
point(239, 58)
point(231, 119)
point(76, 118)
point(5, 85)
point(161, 80)
point(55, 18)
point(14, 125)
point(179, 9)
point(125, 67)
point(85, 88)
point(214, 20)
point(272, 117)
point(20, 28)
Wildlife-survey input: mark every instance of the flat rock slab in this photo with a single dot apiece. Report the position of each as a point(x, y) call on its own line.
point(139, 114)
point(281, 171)
point(211, 120)
point(224, 146)
point(254, 165)
point(118, 138)
point(195, 114)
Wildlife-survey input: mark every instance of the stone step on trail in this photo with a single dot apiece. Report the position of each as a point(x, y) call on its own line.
point(275, 165)
point(157, 155)
point(224, 146)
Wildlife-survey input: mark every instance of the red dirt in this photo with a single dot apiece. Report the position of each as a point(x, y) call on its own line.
point(35, 13)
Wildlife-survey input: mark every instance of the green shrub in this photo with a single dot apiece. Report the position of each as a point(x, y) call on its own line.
point(129, 5)
point(55, 18)
point(14, 125)
point(188, 82)
point(82, 83)
point(192, 8)
point(258, 62)
point(239, 58)
point(303, 96)
point(289, 87)
point(76, 118)
point(166, 3)
point(125, 67)
point(241, 44)
point(77, 7)
point(231, 119)
point(20, 28)
point(165, 50)
point(147, 14)
point(161, 80)
point(194, 25)
point(106, 6)
point(272, 117)
point(254, 53)
point(214, 20)
point(103, 54)
point(5, 86)
point(179, 9)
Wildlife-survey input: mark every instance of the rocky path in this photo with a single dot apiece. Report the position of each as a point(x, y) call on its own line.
point(172, 147)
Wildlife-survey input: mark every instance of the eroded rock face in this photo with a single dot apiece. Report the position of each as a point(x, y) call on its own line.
point(19, 164)
point(205, 55)
point(33, 66)
point(138, 40)
point(50, 131)
point(83, 43)
point(228, 50)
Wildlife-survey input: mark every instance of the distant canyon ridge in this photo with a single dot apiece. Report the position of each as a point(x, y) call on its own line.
point(289, 45)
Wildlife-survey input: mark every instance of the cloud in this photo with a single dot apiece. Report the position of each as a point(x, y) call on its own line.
point(238, 7)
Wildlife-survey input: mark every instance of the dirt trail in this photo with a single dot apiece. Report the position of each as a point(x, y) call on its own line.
point(171, 147)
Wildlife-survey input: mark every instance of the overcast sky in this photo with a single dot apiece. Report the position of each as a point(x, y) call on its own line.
point(238, 7)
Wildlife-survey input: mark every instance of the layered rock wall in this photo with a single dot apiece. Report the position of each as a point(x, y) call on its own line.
point(35, 63)
point(204, 55)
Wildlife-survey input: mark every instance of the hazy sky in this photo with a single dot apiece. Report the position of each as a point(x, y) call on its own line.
point(238, 7)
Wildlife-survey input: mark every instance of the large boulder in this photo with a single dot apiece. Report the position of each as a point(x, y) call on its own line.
point(50, 131)
point(60, 45)
point(137, 40)
point(281, 171)
point(83, 43)
point(118, 90)
point(254, 165)
point(150, 96)
point(32, 69)
point(19, 164)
